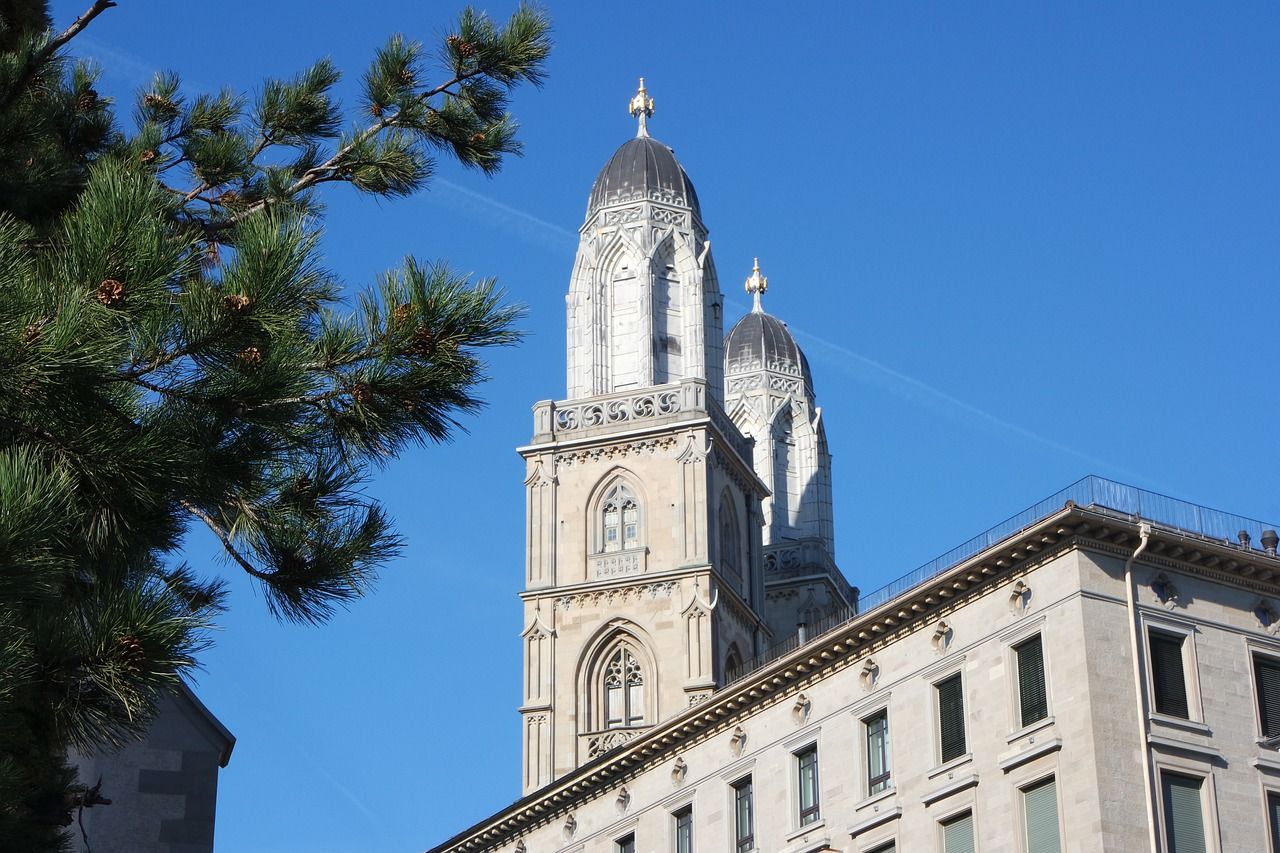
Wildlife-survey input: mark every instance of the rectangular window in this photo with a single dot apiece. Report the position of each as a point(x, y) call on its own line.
point(1273, 819)
point(625, 844)
point(744, 822)
point(1183, 813)
point(957, 834)
point(1168, 677)
point(951, 717)
point(684, 830)
point(807, 771)
point(1040, 808)
point(891, 847)
point(1033, 700)
point(877, 726)
point(1266, 676)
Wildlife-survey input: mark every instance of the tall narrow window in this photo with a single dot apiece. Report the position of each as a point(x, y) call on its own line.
point(877, 726)
point(684, 829)
point(625, 844)
point(951, 737)
point(1168, 678)
point(1033, 700)
point(744, 818)
point(1266, 676)
point(957, 834)
point(620, 519)
point(1273, 819)
point(1183, 813)
point(623, 690)
point(1040, 808)
point(730, 538)
point(807, 770)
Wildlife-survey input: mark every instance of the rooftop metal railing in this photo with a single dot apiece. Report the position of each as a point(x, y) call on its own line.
point(1091, 491)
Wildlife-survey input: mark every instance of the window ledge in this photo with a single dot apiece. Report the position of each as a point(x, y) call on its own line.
point(1180, 723)
point(1026, 730)
point(1267, 763)
point(875, 820)
point(875, 798)
point(820, 823)
point(950, 765)
point(1017, 758)
point(966, 781)
point(1185, 746)
point(1271, 743)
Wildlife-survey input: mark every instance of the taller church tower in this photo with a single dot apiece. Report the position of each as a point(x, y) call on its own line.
point(643, 581)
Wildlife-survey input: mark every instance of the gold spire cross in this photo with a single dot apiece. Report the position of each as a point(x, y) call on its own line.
point(642, 108)
point(756, 285)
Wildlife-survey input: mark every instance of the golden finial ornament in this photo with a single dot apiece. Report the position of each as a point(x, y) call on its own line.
point(642, 108)
point(756, 285)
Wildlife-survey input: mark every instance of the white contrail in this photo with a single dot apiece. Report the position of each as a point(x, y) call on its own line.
point(532, 229)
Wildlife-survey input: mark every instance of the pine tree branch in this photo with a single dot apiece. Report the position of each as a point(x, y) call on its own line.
point(225, 539)
point(42, 56)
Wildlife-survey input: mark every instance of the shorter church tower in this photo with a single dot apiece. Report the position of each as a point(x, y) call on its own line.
point(643, 583)
point(769, 395)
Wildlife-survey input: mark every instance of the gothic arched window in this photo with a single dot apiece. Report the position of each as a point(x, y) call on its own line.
point(623, 689)
point(620, 519)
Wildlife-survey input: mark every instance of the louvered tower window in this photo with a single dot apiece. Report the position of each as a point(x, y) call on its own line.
point(623, 690)
point(1168, 676)
point(951, 736)
point(1266, 675)
point(1033, 700)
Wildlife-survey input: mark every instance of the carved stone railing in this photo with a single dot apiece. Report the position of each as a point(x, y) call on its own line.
point(598, 743)
point(644, 406)
point(800, 557)
point(633, 561)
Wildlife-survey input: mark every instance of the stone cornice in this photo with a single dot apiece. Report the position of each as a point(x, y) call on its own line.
point(1070, 528)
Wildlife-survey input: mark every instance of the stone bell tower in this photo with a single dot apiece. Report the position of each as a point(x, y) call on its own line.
point(643, 576)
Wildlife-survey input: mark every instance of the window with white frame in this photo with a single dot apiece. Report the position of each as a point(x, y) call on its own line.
point(1033, 697)
point(744, 818)
point(949, 693)
point(1040, 817)
point(620, 519)
point(683, 820)
point(807, 784)
point(1182, 797)
point(1168, 673)
point(625, 844)
point(877, 736)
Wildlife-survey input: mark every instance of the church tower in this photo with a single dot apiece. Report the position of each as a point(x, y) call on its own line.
point(644, 578)
point(769, 395)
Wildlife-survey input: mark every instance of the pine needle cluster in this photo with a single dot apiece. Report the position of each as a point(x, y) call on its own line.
point(173, 352)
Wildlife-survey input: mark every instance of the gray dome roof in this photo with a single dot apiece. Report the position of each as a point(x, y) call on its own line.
point(760, 341)
point(642, 168)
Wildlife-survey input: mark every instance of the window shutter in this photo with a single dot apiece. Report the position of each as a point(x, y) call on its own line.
point(1041, 805)
point(1032, 698)
point(1267, 675)
point(891, 847)
point(1168, 676)
point(1183, 813)
point(1273, 819)
point(957, 835)
point(951, 717)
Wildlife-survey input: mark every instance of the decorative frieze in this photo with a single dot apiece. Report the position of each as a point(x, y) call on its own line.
point(632, 562)
point(618, 595)
point(612, 452)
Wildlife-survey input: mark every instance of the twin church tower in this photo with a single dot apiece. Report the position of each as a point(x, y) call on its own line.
point(678, 518)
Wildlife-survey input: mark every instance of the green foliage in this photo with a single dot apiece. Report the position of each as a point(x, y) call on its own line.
point(172, 351)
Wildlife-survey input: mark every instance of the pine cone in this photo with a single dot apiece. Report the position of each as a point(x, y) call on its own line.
point(31, 333)
point(376, 109)
point(111, 293)
point(130, 652)
point(228, 197)
point(407, 76)
point(362, 393)
point(461, 46)
point(251, 358)
point(237, 304)
point(401, 314)
point(477, 138)
point(86, 100)
point(148, 156)
point(424, 343)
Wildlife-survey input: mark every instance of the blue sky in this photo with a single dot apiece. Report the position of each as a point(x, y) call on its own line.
point(1019, 244)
